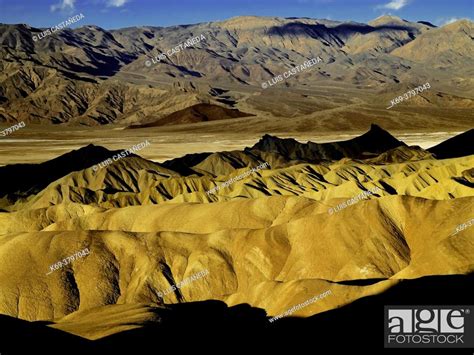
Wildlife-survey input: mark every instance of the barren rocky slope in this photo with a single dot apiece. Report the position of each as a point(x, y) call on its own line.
point(93, 76)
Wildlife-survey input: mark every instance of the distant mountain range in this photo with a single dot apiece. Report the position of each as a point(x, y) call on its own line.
point(93, 76)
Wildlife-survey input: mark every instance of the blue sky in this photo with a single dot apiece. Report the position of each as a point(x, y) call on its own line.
point(112, 14)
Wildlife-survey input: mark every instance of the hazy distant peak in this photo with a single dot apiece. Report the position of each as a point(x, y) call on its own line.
point(444, 45)
point(386, 19)
point(92, 28)
point(246, 22)
point(401, 24)
point(256, 22)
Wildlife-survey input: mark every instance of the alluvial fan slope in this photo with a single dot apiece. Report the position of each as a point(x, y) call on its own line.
point(272, 239)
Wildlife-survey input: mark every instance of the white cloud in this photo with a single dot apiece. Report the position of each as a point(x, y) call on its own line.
point(447, 20)
point(116, 3)
point(64, 5)
point(394, 5)
point(450, 20)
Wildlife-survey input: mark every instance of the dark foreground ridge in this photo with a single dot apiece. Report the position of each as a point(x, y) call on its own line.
point(357, 326)
point(27, 179)
point(458, 146)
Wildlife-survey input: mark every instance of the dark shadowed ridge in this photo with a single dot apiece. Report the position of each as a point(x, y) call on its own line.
point(459, 146)
point(426, 23)
point(359, 324)
point(370, 144)
point(338, 34)
point(26, 179)
point(183, 164)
